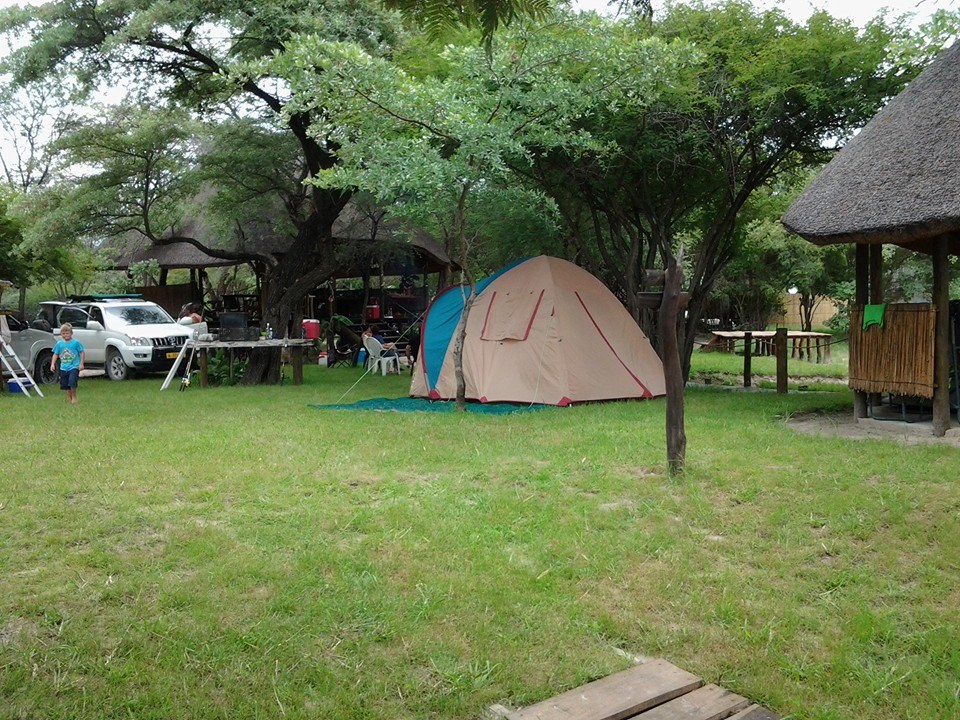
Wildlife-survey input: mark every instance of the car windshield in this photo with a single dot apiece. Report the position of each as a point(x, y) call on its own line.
point(138, 314)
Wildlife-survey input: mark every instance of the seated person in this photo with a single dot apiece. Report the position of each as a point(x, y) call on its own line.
point(413, 345)
point(191, 313)
point(389, 348)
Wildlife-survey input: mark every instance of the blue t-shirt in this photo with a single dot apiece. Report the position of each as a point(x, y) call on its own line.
point(69, 352)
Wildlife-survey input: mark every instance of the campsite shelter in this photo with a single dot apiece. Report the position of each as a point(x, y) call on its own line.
point(542, 330)
point(897, 181)
point(377, 246)
point(371, 244)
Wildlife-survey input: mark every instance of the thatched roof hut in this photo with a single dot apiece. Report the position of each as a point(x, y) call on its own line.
point(170, 257)
point(383, 240)
point(371, 236)
point(898, 180)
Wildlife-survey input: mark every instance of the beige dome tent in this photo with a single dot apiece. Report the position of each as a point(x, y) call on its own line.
point(542, 330)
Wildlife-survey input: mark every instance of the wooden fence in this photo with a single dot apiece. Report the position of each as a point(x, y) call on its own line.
point(170, 297)
point(898, 357)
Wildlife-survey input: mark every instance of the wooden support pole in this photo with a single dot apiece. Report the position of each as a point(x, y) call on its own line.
point(204, 367)
point(780, 348)
point(941, 345)
point(296, 362)
point(672, 368)
point(876, 294)
point(876, 273)
point(747, 356)
point(862, 275)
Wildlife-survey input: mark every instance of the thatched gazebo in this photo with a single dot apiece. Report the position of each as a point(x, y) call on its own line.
point(897, 181)
point(370, 242)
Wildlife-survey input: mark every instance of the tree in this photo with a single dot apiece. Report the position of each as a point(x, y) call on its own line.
point(24, 264)
point(12, 268)
point(760, 96)
point(769, 260)
point(206, 60)
point(30, 121)
point(200, 61)
point(441, 145)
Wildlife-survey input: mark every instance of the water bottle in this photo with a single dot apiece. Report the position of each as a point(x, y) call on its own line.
point(269, 332)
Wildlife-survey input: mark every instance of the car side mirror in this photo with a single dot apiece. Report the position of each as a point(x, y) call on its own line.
point(56, 331)
point(94, 325)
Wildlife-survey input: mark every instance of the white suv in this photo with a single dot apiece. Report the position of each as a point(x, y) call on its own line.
point(121, 333)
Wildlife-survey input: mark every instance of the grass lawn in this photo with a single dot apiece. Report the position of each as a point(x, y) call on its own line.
point(235, 553)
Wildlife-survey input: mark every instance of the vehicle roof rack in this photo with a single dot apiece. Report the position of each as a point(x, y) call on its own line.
point(105, 296)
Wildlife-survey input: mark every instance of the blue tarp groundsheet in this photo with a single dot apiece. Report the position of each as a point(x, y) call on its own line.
point(406, 404)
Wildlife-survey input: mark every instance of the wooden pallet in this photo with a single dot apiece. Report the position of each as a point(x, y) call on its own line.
point(655, 690)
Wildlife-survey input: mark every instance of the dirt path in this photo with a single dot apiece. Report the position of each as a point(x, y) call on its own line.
point(844, 425)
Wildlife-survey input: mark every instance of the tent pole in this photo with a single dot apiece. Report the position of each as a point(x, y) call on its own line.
point(941, 366)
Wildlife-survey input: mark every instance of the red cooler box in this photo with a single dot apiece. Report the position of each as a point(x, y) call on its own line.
point(311, 329)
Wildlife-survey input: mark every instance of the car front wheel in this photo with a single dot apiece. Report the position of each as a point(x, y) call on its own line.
point(116, 368)
point(41, 369)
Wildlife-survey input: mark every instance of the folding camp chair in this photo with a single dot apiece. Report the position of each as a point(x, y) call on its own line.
point(341, 354)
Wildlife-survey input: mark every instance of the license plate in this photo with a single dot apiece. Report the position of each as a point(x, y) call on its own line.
point(172, 356)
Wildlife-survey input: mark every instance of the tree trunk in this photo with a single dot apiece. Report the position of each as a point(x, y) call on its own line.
point(460, 223)
point(672, 367)
point(458, 350)
point(942, 344)
point(309, 262)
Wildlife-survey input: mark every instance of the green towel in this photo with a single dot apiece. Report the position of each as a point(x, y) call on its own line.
point(873, 315)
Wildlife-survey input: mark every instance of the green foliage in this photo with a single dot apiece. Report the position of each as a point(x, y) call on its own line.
point(131, 177)
point(440, 18)
point(144, 272)
point(195, 90)
point(843, 295)
point(769, 260)
point(54, 258)
point(219, 368)
point(758, 96)
point(448, 146)
point(12, 268)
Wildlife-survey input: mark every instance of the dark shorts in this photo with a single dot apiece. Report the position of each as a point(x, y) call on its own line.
point(69, 378)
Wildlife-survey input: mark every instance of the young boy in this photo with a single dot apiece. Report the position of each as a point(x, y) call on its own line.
point(70, 352)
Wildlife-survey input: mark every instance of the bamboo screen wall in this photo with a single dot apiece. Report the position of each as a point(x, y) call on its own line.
point(897, 358)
